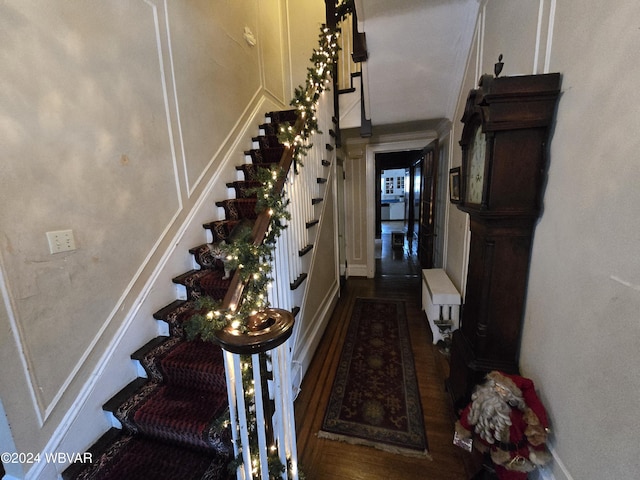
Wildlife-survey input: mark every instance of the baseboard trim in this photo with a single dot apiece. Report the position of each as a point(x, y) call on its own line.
point(557, 470)
point(309, 342)
point(357, 271)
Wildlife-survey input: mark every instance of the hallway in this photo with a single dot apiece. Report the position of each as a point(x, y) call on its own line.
point(398, 277)
point(396, 260)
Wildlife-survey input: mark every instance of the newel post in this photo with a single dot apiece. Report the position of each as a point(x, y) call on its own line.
point(258, 369)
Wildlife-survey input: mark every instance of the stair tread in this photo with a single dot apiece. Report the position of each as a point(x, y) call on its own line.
point(151, 355)
point(277, 148)
point(194, 364)
point(239, 208)
point(180, 409)
point(268, 140)
point(265, 156)
point(169, 310)
point(180, 415)
point(209, 282)
point(180, 279)
point(195, 250)
point(245, 188)
point(204, 258)
point(183, 402)
point(128, 457)
point(282, 116)
point(269, 128)
point(96, 450)
point(149, 346)
point(188, 364)
point(301, 278)
point(114, 402)
point(220, 229)
point(235, 200)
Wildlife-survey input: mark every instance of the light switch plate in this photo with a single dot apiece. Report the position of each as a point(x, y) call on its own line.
point(61, 241)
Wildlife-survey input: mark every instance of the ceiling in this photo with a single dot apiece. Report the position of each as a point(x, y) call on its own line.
point(418, 50)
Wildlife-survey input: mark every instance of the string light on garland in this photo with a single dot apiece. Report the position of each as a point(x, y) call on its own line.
point(306, 98)
point(253, 262)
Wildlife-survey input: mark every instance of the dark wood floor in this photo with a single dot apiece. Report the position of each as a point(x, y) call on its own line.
point(322, 459)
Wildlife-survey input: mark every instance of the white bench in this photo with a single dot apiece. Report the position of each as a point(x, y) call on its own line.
point(441, 302)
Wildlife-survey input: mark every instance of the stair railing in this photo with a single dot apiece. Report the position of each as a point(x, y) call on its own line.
point(258, 353)
point(350, 75)
point(258, 373)
point(306, 190)
point(347, 67)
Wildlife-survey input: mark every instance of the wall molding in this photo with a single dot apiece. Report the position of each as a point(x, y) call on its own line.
point(23, 355)
point(126, 329)
point(549, 44)
point(172, 117)
point(42, 409)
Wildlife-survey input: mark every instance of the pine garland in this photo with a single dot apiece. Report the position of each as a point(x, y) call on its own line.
point(253, 262)
point(344, 8)
point(306, 98)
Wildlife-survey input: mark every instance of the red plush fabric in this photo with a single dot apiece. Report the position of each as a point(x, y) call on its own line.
point(526, 433)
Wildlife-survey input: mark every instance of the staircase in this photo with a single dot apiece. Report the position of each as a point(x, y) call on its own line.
point(350, 84)
point(174, 422)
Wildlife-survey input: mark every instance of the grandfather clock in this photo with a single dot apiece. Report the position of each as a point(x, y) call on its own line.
point(504, 143)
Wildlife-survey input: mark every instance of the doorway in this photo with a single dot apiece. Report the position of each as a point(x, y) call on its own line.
point(373, 199)
point(398, 177)
point(428, 206)
point(416, 181)
point(397, 207)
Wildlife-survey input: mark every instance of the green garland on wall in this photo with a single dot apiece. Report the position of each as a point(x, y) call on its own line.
point(253, 262)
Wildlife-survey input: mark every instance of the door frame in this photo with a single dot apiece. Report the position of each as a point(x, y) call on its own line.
point(428, 237)
point(417, 143)
point(402, 161)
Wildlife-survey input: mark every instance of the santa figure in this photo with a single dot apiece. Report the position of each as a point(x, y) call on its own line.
point(508, 421)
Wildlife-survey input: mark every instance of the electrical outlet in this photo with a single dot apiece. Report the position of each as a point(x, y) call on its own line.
point(61, 241)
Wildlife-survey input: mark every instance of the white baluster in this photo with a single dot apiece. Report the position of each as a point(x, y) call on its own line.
point(260, 417)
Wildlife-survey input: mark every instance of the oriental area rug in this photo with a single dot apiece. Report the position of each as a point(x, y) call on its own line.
point(375, 399)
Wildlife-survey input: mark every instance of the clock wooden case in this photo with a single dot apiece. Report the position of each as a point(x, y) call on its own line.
point(504, 145)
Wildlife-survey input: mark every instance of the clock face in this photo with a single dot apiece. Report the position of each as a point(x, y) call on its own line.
point(475, 168)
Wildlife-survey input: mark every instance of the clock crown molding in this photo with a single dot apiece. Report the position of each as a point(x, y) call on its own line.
point(517, 102)
point(492, 103)
point(503, 170)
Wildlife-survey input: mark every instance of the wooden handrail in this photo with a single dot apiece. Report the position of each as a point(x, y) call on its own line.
point(261, 226)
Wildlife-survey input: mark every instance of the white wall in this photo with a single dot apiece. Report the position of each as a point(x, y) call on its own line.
point(121, 121)
point(582, 325)
point(581, 329)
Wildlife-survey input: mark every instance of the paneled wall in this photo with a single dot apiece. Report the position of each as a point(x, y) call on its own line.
point(121, 121)
point(356, 221)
